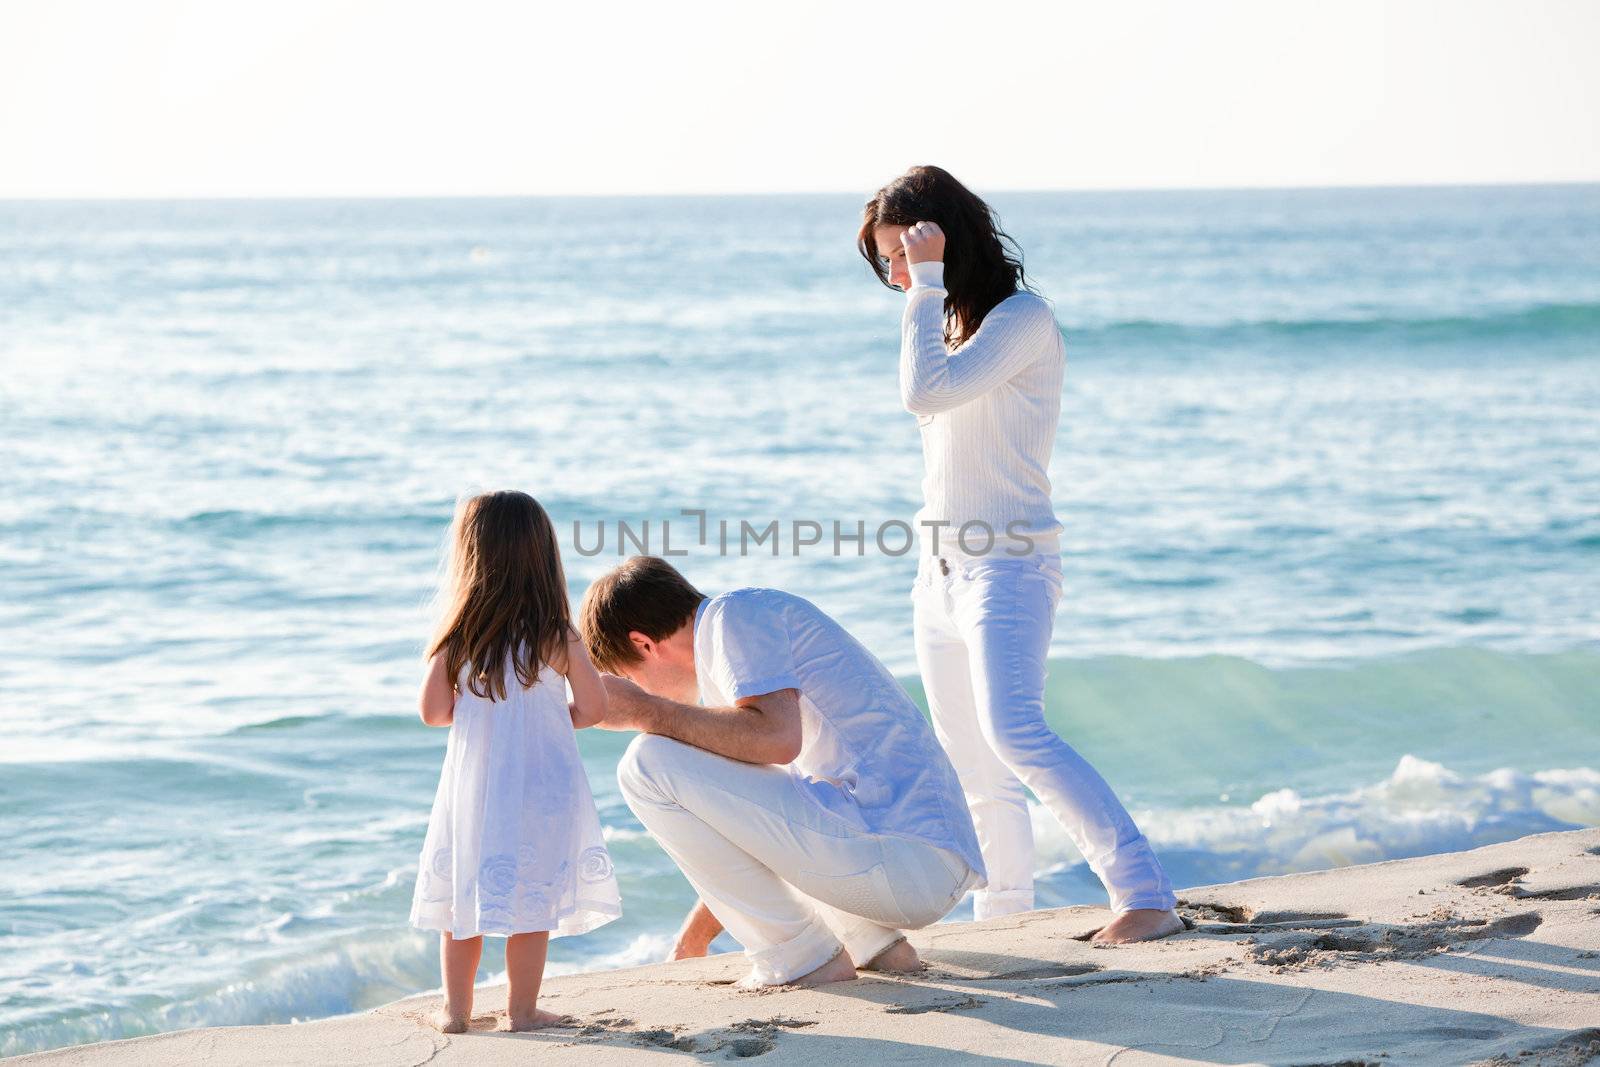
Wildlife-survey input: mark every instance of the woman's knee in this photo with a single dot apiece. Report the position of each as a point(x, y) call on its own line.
point(1011, 708)
point(1021, 740)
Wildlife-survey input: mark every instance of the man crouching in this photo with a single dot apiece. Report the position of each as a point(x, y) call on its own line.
point(784, 770)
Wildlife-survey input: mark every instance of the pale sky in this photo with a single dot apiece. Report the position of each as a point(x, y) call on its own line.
point(469, 97)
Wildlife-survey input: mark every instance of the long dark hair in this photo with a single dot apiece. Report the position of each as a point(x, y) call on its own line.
point(982, 264)
point(504, 595)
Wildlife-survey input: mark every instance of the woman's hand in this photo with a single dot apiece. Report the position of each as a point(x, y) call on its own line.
point(924, 243)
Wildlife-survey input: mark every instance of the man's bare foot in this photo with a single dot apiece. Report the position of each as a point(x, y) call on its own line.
point(898, 958)
point(540, 1018)
point(1140, 924)
point(839, 969)
point(448, 1022)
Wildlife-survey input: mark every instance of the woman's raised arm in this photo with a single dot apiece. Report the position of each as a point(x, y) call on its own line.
point(932, 379)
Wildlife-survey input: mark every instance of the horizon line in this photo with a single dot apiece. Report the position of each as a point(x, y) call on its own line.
point(753, 194)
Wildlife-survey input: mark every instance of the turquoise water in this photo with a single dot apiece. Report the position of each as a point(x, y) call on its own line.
point(1329, 468)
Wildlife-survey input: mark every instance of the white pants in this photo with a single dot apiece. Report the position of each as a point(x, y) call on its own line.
point(791, 881)
point(982, 630)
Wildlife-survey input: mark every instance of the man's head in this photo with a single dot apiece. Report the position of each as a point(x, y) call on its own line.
point(638, 621)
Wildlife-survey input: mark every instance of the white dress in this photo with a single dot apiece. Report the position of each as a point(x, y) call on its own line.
point(514, 843)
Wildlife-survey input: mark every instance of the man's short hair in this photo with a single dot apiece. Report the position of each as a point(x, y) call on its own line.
point(645, 594)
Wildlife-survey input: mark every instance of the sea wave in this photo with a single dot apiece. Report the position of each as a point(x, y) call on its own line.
point(356, 975)
point(1185, 730)
point(1420, 808)
point(1535, 322)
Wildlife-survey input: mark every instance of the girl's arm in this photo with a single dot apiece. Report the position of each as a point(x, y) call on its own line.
point(589, 704)
point(437, 701)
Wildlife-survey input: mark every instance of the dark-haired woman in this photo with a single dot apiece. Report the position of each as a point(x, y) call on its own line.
point(981, 364)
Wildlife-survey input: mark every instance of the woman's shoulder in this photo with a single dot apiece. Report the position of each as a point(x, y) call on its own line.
point(1026, 303)
point(1024, 312)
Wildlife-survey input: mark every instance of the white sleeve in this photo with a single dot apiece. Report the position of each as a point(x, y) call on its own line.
point(750, 653)
point(929, 274)
point(1013, 335)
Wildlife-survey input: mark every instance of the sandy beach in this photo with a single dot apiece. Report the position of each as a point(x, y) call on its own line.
point(1486, 956)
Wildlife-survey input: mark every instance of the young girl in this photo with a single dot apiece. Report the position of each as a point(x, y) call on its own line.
point(513, 846)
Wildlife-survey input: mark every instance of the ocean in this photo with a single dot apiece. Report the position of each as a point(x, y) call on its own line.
point(1329, 468)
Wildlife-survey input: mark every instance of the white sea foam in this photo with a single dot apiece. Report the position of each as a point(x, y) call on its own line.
point(1422, 807)
point(646, 948)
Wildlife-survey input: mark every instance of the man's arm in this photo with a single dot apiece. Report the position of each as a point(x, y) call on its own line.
point(757, 729)
point(699, 930)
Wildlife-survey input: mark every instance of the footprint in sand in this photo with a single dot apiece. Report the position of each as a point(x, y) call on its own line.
point(1370, 942)
point(960, 1004)
point(1503, 876)
point(1237, 919)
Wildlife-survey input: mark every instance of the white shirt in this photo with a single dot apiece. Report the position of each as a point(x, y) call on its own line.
point(988, 412)
point(867, 755)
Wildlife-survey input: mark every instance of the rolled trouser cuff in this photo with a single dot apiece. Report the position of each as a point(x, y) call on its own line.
point(793, 959)
point(864, 939)
point(1159, 902)
point(991, 904)
point(1134, 877)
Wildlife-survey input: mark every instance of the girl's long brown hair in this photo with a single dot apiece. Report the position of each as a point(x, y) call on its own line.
point(982, 264)
point(504, 594)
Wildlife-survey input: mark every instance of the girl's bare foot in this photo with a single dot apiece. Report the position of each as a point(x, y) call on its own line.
point(839, 969)
point(540, 1018)
point(448, 1022)
point(1140, 924)
point(898, 958)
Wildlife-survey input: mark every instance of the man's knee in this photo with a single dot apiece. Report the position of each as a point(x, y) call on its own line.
point(640, 772)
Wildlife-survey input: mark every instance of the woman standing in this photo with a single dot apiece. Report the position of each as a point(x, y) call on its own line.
point(981, 363)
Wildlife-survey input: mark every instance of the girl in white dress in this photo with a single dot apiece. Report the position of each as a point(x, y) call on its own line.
point(514, 846)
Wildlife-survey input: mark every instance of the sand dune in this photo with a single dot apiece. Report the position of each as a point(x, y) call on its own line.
point(1488, 956)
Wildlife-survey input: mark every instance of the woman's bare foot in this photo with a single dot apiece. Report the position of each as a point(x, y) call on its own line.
point(1140, 924)
point(448, 1022)
point(898, 958)
point(540, 1018)
point(839, 969)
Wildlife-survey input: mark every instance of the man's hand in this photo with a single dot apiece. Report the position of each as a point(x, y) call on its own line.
point(627, 706)
point(700, 928)
point(924, 243)
point(689, 947)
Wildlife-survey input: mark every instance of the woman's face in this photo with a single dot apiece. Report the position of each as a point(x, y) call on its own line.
point(892, 252)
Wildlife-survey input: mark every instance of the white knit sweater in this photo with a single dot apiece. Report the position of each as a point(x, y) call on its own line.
point(988, 412)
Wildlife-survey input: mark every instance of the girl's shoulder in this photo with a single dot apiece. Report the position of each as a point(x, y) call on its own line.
point(556, 661)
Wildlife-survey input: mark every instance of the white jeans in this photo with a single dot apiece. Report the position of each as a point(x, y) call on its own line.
point(982, 630)
point(792, 882)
